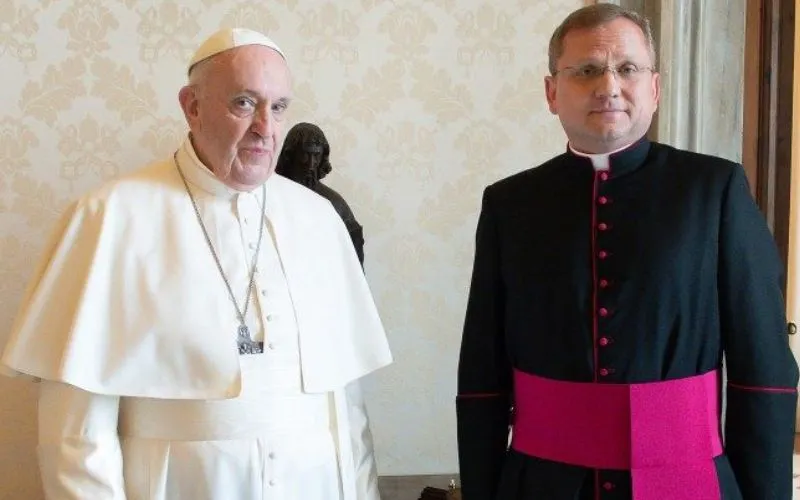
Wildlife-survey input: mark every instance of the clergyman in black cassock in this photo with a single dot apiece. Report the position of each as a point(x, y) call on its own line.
point(608, 285)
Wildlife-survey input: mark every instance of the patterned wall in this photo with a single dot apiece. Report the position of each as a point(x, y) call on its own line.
point(424, 102)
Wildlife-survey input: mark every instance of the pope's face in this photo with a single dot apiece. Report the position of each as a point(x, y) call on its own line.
point(236, 111)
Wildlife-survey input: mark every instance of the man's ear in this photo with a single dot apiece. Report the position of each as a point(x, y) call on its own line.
point(656, 83)
point(550, 93)
point(187, 97)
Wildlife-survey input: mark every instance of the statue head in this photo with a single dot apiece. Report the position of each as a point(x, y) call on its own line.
point(305, 155)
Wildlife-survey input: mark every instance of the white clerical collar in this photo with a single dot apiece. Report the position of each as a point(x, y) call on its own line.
point(200, 175)
point(600, 161)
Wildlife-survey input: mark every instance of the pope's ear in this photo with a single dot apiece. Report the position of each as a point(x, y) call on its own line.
point(188, 100)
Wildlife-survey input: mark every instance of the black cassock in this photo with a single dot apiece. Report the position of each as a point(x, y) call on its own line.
point(649, 271)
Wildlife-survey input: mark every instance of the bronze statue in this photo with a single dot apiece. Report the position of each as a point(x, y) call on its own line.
point(305, 160)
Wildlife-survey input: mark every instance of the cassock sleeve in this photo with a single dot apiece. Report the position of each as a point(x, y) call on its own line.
point(79, 450)
point(762, 372)
point(484, 372)
point(366, 471)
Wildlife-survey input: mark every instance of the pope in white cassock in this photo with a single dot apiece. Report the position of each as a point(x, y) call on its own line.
point(200, 325)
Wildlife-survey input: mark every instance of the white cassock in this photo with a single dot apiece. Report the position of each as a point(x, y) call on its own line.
point(131, 330)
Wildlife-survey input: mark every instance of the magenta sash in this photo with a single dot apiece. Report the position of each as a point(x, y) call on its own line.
point(666, 433)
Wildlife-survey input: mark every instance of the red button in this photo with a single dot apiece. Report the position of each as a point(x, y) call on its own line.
point(603, 312)
point(602, 254)
point(603, 372)
point(602, 200)
point(602, 226)
point(608, 486)
point(603, 283)
point(603, 341)
point(603, 176)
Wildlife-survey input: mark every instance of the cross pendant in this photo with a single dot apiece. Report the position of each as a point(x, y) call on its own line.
point(246, 344)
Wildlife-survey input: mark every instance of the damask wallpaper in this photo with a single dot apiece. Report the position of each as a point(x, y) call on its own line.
point(424, 103)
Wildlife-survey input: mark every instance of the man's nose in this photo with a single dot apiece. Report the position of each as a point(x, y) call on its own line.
point(263, 122)
point(608, 84)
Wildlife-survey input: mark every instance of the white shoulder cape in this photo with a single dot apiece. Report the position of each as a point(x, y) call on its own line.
point(123, 250)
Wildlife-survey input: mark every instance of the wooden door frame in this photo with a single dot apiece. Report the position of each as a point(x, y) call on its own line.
point(768, 108)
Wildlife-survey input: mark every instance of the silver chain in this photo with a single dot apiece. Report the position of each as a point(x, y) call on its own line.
point(242, 313)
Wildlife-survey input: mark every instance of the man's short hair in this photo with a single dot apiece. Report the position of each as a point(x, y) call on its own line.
point(593, 16)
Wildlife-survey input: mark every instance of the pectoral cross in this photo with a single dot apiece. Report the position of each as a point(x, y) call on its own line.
point(246, 344)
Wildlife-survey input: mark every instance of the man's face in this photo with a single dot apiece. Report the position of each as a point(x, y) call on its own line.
point(236, 113)
point(602, 110)
point(305, 162)
point(311, 155)
point(310, 159)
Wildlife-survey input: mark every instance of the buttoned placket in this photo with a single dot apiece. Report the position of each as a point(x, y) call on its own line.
point(271, 472)
point(248, 207)
point(602, 236)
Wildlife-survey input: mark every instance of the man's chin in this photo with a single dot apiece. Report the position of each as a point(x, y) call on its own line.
point(612, 133)
point(601, 141)
point(249, 178)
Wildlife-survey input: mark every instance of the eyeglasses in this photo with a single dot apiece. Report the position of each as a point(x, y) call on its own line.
point(627, 72)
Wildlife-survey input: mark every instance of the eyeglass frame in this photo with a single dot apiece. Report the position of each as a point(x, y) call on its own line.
point(600, 70)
